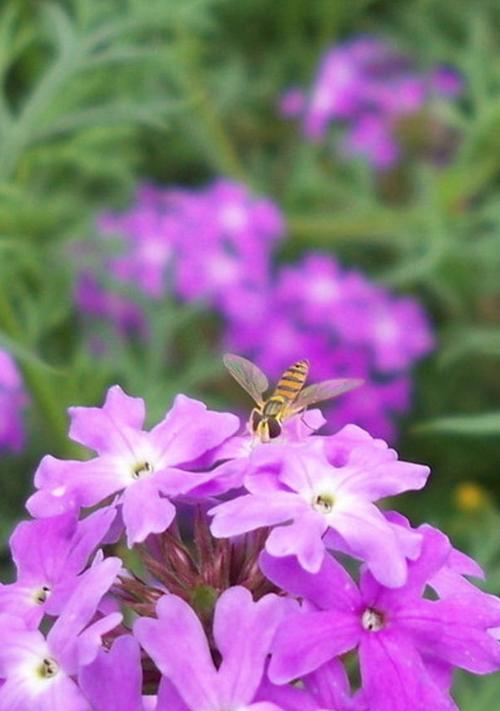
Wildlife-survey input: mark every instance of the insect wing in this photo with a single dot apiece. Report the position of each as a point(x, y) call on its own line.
point(248, 375)
point(325, 390)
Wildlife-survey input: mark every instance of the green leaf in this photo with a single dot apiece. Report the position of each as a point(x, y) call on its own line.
point(485, 424)
point(25, 355)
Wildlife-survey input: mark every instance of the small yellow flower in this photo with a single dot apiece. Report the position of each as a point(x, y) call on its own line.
point(471, 497)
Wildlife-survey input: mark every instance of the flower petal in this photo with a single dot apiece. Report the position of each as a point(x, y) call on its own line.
point(145, 511)
point(454, 631)
point(113, 682)
point(307, 640)
point(330, 587)
point(303, 538)
point(178, 646)
point(104, 429)
point(371, 538)
point(190, 429)
point(246, 513)
point(243, 632)
point(395, 678)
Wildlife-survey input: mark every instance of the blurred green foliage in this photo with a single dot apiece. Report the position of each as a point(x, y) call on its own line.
point(95, 96)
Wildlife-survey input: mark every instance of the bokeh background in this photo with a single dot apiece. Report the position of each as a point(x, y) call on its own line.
point(283, 179)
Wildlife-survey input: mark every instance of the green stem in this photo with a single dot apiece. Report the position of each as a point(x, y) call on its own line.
point(218, 145)
point(38, 384)
point(387, 230)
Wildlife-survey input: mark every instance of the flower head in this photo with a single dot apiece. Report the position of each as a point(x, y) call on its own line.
point(401, 637)
point(49, 555)
point(367, 86)
point(146, 470)
point(39, 671)
point(315, 489)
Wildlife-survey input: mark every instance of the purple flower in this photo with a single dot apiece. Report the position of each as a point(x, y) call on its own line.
point(346, 325)
point(367, 86)
point(404, 641)
point(316, 489)
point(194, 244)
point(39, 671)
point(113, 681)
point(243, 631)
point(145, 469)
point(13, 400)
point(49, 555)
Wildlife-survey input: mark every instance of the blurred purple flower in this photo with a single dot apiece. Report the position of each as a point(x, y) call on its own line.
point(195, 244)
point(346, 325)
point(367, 86)
point(13, 400)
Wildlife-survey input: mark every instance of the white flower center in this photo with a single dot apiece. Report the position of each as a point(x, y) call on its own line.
point(372, 620)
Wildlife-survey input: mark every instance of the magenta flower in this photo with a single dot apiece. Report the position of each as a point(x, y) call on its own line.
point(194, 244)
point(39, 671)
point(367, 87)
point(13, 400)
point(49, 555)
point(316, 491)
point(243, 631)
point(403, 640)
point(113, 681)
point(146, 470)
point(346, 325)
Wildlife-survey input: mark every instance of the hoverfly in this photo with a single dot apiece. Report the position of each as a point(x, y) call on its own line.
point(288, 398)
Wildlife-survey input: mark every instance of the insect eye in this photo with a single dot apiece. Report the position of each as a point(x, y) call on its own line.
point(256, 419)
point(274, 428)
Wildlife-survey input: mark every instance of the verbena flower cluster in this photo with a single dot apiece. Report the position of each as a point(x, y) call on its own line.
point(196, 244)
point(252, 607)
point(13, 400)
point(348, 326)
point(216, 245)
point(368, 87)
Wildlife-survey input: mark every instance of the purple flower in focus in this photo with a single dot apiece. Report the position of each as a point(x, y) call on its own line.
point(367, 86)
point(315, 491)
point(13, 400)
point(405, 642)
point(145, 469)
point(49, 555)
point(113, 681)
point(39, 671)
point(243, 631)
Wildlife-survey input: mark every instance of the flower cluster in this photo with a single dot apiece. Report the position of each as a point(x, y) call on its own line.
point(216, 246)
point(194, 244)
point(347, 325)
point(252, 598)
point(371, 89)
point(13, 399)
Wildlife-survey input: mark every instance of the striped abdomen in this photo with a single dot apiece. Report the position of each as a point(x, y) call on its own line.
point(291, 383)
